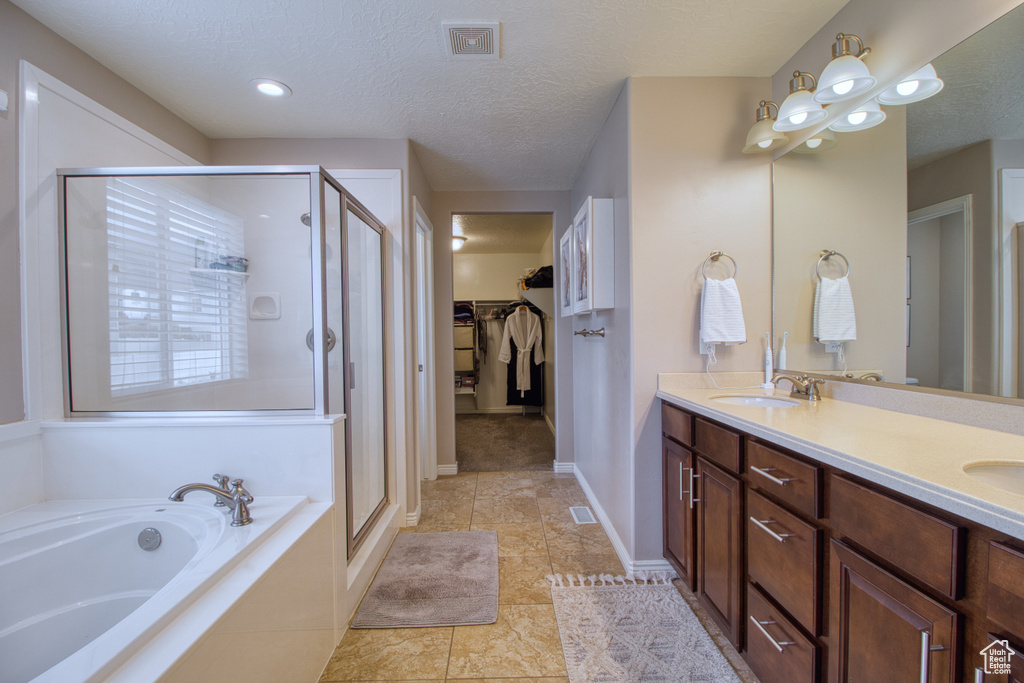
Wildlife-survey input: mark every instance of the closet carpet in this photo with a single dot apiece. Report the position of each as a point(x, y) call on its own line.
point(503, 443)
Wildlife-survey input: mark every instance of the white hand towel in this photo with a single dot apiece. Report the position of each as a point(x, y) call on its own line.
point(721, 313)
point(834, 319)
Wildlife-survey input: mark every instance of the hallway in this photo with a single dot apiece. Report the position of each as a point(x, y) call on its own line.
point(536, 537)
point(503, 443)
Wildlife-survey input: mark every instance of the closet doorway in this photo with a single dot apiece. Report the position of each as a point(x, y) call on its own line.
point(504, 341)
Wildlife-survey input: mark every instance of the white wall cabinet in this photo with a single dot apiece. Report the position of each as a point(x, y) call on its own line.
point(591, 243)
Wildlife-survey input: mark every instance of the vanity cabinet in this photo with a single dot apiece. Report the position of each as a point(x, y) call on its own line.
point(816, 575)
point(720, 547)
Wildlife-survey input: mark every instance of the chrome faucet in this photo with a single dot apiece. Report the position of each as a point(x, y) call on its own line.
point(803, 386)
point(237, 498)
point(872, 377)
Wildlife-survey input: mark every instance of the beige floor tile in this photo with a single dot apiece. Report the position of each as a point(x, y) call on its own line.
point(444, 511)
point(519, 540)
point(464, 484)
point(587, 564)
point(560, 488)
point(491, 476)
point(523, 581)
point(505, 511)
point(505, 488)
point(512, 680)
point(555, 510)
point(523, 642)
point(390, 655)
point(576, 539)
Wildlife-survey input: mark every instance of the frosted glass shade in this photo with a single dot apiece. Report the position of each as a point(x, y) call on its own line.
point(821, 142)
point(863, 117)
point(918, 86)
point(799, 111)
point(763, 138)
point(844, 78)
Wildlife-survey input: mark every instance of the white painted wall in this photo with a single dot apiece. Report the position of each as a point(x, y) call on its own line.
point(489, 276)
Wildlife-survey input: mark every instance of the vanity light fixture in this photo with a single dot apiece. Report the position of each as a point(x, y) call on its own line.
point(846, 76)
point(762, 137)
point(918, 86)
point(863, 117)
point(822, 141)
point(457, 242)
point(270, 87)
point(799, 110)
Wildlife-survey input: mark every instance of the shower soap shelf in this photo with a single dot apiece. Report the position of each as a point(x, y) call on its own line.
point(205, 277)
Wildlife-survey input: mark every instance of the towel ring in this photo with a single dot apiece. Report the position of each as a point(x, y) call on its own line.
point(715, 255)
point(826, 254)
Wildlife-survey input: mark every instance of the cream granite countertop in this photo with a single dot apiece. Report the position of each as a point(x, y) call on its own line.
point(918, 456)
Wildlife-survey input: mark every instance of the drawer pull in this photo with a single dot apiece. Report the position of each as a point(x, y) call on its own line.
point(761, 627)
point(926, 659)
point(979, 676)
point(781, 538)
point(764, 473)
point(680, 482)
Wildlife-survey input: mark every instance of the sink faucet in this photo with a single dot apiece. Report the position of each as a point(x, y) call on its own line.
point(803, 386)
point(237, 499)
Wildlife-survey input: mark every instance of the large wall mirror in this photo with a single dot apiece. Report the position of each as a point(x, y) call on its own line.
point(925, 216)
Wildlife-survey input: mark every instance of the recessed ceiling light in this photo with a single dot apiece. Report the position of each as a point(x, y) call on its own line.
point(272, 88)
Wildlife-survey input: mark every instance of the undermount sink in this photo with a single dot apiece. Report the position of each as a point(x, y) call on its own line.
point(756, 400)
point(1004, 474)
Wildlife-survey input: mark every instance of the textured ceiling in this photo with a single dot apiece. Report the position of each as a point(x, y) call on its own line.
point(983, 98)
point(378, 68)
point(503, 233)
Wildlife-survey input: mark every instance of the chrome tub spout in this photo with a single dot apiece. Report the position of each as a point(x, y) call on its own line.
point(237, 499)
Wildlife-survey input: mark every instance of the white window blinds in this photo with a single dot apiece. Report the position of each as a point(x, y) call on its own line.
point(174, 320)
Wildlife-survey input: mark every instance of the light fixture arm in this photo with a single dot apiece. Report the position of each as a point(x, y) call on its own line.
point(841, 47)
point(799, 82)
point(763, 112)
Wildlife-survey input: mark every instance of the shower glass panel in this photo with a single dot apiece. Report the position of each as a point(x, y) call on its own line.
point(365, 338)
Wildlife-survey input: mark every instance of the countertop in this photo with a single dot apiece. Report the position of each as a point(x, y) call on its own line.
point(918, 456)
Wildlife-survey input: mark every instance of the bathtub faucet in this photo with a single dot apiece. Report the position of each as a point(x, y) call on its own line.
point(237, 499)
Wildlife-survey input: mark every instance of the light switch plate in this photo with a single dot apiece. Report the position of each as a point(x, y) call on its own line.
point(833, 347)
point(3, 100)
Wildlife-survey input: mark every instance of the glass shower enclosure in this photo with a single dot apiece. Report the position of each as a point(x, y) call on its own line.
point(216, 291)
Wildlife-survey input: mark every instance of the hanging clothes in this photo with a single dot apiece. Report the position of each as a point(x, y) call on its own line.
point(534, 396)
point(524, 328)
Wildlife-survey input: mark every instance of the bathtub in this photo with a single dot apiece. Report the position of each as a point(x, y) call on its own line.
point(79, 596)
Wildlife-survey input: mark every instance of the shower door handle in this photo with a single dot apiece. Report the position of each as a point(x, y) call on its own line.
point(331, 340)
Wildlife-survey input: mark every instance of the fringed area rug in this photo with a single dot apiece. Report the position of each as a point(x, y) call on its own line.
point(613, 631)
point(434, 579)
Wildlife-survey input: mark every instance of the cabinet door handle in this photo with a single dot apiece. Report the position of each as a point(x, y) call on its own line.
point(926, 659)
point(681, 482)
point(777, 644)
point(781, 538)
point(764, 473)
point(692, 477)
point(979, 676)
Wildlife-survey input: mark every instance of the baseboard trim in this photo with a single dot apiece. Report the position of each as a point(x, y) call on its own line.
point(448, 470)
point(631, 566)
point(413, 518)
point(551, 425)
point(565, 467)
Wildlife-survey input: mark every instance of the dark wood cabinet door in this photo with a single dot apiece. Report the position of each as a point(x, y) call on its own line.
point(720, 548)
point(679, 511)
point(883, 629)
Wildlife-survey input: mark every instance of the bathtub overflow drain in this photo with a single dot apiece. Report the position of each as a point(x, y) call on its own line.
point(149, 539)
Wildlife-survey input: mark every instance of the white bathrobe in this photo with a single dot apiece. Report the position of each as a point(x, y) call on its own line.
point(524, 327)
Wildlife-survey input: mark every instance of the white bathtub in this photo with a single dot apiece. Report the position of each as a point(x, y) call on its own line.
point(79, 597)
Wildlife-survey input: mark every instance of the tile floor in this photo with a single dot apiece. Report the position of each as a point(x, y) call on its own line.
point(536, 537)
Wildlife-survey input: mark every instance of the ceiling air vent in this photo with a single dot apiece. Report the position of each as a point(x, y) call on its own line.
point(465, 40)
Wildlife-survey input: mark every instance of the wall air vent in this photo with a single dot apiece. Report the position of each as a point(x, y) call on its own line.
point(582, 515)
point(464, 40)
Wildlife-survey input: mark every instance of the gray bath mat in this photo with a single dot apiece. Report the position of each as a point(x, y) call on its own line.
point(434, 579)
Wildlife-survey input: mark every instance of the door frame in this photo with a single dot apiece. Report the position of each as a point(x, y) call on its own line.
point(423, 296)
point(961, 205)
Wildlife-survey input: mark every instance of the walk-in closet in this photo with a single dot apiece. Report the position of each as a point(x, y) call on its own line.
point(503, 308)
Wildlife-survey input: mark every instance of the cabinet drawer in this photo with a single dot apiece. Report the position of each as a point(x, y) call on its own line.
point(792, 481)
point(676, 424)
point(1006, 589)
point(925, 547)
point(718, 444)
point(776, 650)
point(782, 558)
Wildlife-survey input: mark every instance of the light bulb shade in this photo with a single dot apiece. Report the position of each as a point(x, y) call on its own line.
point(863, 117)
point(799, 111)
point(918, 86)
point(763, 138)
point(457, 242)
point(844, 78)
point(820, 142)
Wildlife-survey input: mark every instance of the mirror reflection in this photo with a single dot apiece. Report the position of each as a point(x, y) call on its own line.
point(919, 222)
